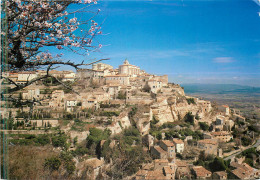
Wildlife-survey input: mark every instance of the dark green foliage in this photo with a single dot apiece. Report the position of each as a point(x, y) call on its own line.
point(159, 136)
point(109, 113)
point(132, 112)
point(204, 126)
point(153, 122)
point(121, 95)
point(68, 163)
point(218, 164)
point(96, 135)
point(167, 125)
point(249, 151)
point(80, 151)
point(28, 139)
point(42, 139)
point(59, 140)
point(211, 163)
point(246, 141)
point(189, 118)
point(130, 135)
point(253, 128)
point(68, 116)
point(52, 163)
point(10, 122)
point(190, 101)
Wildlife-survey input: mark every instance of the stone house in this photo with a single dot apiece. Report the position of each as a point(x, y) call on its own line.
point(169, 147)
point(68, 76)
point(169, 172)
point(158, 153)
point(160, 163)
point(31, 92)
point(222, 136)
point(25, 76)
point(244, 171)
point(182, 170)
point(205, 105)
point(13, 76)
point(179, 145)
point(201, 173)
point(222, 175)
point(228, 124)
point(101, 66)
point(220, 120)
point(70, 104)
point(224, 110)
point(117, 79)
point(57, 99)
point(210, 146)
point(154, 85)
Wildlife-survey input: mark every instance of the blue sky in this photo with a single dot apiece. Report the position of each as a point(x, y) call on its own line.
point(195, 41)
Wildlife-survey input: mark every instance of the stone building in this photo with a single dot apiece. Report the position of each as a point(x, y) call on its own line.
point(31, 92)
point(224, 110)
point(129, 69)
point(182, 170)
point(101, 66)
point(210, 146)
point(201, 173)
point(179, 144)
point(222, 136)
point(219, 175)
point(57, 99)
point(244, 171)
point(121, 79)
point(25, 76)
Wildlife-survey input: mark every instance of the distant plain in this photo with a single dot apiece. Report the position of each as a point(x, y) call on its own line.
point(244, 98)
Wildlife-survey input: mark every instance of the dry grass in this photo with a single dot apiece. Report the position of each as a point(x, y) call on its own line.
point(27, 162)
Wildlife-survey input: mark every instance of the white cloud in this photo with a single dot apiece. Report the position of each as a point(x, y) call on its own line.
point(223, 60)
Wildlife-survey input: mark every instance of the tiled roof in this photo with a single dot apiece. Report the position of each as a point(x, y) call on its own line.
point(177, 141)
point(220, 133)
point(161, 161)
point(168, 170)
point(208, 141)
point(156, 174)
point(159, 149)
point(168, 143)
point(181, 163)
point(221, 173)
point(201, 171)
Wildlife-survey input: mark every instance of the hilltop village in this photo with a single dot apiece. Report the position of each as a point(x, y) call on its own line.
point(104, 123)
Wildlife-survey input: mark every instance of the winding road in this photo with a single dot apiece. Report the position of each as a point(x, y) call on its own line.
point(233, 155)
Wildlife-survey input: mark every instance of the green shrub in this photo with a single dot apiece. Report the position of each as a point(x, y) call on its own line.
point(190, 101)
point(59, 141)
point(204, 126)
point(42, 139)
point(52, 163)
point(189, 118)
